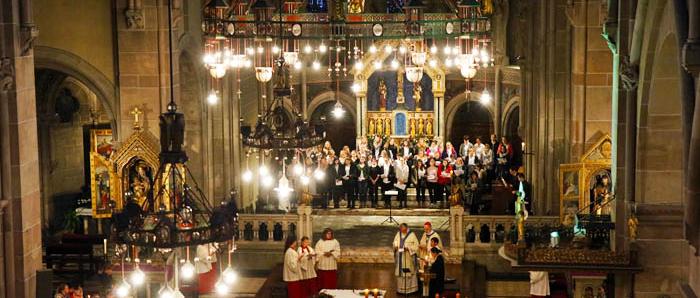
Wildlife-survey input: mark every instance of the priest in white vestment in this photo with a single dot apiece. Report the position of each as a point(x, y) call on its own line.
point(406, 259)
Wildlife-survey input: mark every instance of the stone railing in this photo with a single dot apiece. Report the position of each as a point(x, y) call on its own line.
point(270, 228)
point(498, 228)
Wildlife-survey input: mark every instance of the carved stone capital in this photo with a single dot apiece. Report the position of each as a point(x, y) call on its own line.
point(629, 74)
point(134, 19)
point(7, 74)
point(28, 33)
point(691, 57)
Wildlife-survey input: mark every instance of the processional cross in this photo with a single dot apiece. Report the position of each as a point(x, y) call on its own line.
point(136, 112)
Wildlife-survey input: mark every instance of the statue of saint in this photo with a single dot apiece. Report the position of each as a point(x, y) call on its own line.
point(421, 126)
point(356, 6)
point(400, 98)
point(520, 217)
point(412, 127)
point(382, 95)
point(371, 127)
point(380, 126)
point(456, 195)
point(429, 126)
point(417, 89)
point(387, 126)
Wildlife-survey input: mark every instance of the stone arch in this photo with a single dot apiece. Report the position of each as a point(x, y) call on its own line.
point(660, 156)
point(511, 106)
point(456, 102)
point(74, 66)
point(346, 100)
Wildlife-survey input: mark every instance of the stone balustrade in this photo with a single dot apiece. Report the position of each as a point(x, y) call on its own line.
point(496, 228)
point(255, 228)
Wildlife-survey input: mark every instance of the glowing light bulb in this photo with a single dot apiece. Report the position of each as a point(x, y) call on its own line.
point(402, 49)
point(485, 97)
point(322, 48)
point(247, 63)
point(297, 65)
point(263, 171)
point(221, 287)
point(448, 62)
point(355, 87)
point(432, 63)
point(275, 49)
point(394, 64)
point(212, 98)
point(372, 49)
point(187, 270)
point(319, 175)
point(247, 176)
point(250, 51)
point(307, 48)
point(316, 65)
point(388, 49)
point(229, 275)
point(338, 110)
point(209, 59)
point(447, 50)
point(377, 64)
point(123, 289)
point(305, 180)
point(359, 65)
point(433, 49)
point(298, 169)
point(455, 50)
point(137, 277)
point(261, 50)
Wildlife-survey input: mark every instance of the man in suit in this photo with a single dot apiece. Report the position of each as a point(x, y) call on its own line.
point(348, 175)
point(464, 147)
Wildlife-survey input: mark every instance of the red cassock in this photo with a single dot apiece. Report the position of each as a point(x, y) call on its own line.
point(208, 280)
point(327, 279)
point(295, 289)
point(310, 286)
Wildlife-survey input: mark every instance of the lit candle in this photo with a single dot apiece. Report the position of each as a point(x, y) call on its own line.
point(523, 146)
point(366, 293)
point(375, 292)
point(104, 246)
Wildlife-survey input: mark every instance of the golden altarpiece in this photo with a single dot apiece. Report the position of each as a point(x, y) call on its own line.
point(131, 169)
point(586, 186)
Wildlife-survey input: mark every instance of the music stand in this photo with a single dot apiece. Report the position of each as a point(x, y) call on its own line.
point(390, 219)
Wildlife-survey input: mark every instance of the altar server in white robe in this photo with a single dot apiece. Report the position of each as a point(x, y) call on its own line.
point(307, 264)
point(292, 270)
point(328, 252)
point(539, 284)
point(405, 257)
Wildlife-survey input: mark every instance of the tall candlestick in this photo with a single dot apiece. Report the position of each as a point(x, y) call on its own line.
point(104, 246)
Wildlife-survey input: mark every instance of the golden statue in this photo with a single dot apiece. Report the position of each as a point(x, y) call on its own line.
point(417, 89)
point(421, 126)
point(380, 126)
point(306, 197)
point(456, 196)
point(520, 217)
point(387, 126)
point(429, 126)
point(487, 8)
point(632, 224)
point(399, 87)
point(371, 126)
point(412, 127)
point(356, 6)
point(382, 95)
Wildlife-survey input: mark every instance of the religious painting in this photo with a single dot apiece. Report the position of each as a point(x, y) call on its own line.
point(137, 178)
point(102, 186)
point(101, 142)
point(569, 209)
point(389, 90)
point(400, 124)
point(570, 183)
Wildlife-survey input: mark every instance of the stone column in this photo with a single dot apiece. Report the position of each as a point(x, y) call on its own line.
point(304, 225)
point(19, 157)
point(440, 116)
point(497, 129)
point(359, 118)
point(457, 231)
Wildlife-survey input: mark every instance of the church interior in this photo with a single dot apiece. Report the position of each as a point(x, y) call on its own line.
point(350, 148)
